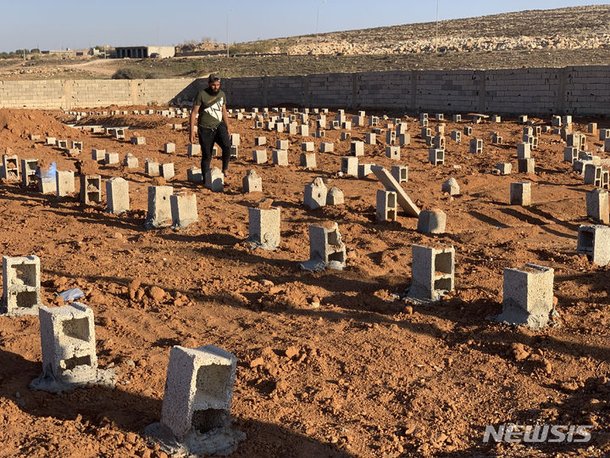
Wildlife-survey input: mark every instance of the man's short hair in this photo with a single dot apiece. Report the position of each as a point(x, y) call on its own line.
point(213, 77)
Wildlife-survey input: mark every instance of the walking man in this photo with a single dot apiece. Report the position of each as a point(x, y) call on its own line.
point(213, 126)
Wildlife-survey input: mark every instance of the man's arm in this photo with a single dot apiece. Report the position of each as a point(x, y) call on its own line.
point(193, 123)
point(225, 116)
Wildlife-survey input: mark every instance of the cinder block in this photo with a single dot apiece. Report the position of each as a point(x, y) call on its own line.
point(193, 150)
point(556, 121)
point(393, 152)
point(433, 272)
point(280, 157)
point(504, 168)
point(467, 130)
point(594, 241)
point(357, 148)
point(138, 140)
point(21, 285)
point(349, 166)
point(570, 154)
point(451, 187)
point(526, 165)
point(264, 227)
point(593, 174)
point(167, 170)
point(98, 154)
point(131, 161)
point(252, 182)
point(259, 156)
point(326, 147)
point(235, 139)
point(365, 170)
point(438, 141)
point(152, 168)
point(456, 136)
point(90, 189)
point(260, 141)
point(194, 175)
point(386, 205)
point(315, 194)
point(111, 158)
point(436, 156)
point(404, 139)
point(10, 168)
point(326, 245)
point(282, 144)
point(67, 336)
point(198, 390)
point(308, 160)
point(159, 206)
point(47, 183)
point(169, 148)
point(233, 152)
point(598, 206)
point(184, 209)
point(390, 137)
point(28, 172)
point(528, 296)
point(521, 193)
point(65, 183)
point(432, 221)
point(496, 138)
point(400, 173)
point(476, 145)
point(214, 180)
point(117, 195)
point(335, 196)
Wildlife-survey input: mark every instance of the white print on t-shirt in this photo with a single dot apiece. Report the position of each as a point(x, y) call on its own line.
point(216, 110)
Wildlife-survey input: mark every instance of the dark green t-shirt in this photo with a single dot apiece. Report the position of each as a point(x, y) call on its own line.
point(210, 108)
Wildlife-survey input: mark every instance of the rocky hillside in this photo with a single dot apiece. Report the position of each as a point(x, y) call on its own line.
point(585, 27)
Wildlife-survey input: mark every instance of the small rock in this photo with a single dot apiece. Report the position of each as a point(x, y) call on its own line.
point(291, 352)
point(131, 438)
point(315, 302)
point(519, 352)
point(409, 310)
point(548, 367)
point(156, 293)
point(257, 362)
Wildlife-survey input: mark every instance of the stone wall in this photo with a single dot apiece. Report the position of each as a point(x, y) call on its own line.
point(544, 91)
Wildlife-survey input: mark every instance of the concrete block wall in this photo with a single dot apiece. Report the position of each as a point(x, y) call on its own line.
point(68, 94)
point(543, 91)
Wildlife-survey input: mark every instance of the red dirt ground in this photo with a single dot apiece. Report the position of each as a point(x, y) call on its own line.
point(330, 364)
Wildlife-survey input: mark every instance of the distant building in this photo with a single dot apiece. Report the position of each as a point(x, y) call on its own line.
point(141, 52)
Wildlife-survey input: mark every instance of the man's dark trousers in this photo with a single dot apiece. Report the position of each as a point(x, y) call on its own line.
point(207, 138)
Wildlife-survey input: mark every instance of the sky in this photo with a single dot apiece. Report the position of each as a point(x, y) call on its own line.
point(76, 24)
